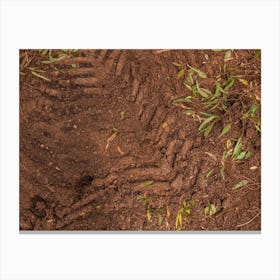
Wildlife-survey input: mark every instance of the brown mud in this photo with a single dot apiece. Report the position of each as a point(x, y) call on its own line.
point(102, 146)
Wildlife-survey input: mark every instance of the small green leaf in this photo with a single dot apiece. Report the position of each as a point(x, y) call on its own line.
point(147, 183)
point(179, 221)
point(257, 54)
point(200, 73)
point(228, 143)
point(209, 173)
point(188, 211)
point(243, 82)
point(258, 128)
point(184, 99)
point(140, 197)
point(248, 154)
point(191, 202)
point(206, 210)
point(188, 86)
point(237, 149)
point(188, 112)
point(149, 215)
point(212, 210)
point(205, 122)
point(227, 54)
point(207, 114)
point(160, 220)
point(204, 92)
point(240, 184)
point(180, 73)
point(225, 130)
point(177, 64)
point(46, 61)
point(61, 57)
point(208, 129)
point(222, 171)
point(40, 76)
point(217, 91)
point(217, 50)
point(241, 155)
point(189, 78)
point(229, 83)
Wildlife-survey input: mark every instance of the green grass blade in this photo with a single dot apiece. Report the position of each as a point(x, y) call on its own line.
point(204, 92)
point(147, 183)
point(209, 173)
point(40, 76)
point(180, 73)
point(200, 73)
point(184, 99)
point(227, 54)
point(225, 130)
point(177, 64)
point(240, 184)
point(188, 86)
point(229, 83)
point(208, 129)
point(205, 122)
point(160, 220)
point(237, 149)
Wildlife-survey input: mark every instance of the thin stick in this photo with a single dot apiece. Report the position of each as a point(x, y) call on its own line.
point(161, 51)
point(241, 225)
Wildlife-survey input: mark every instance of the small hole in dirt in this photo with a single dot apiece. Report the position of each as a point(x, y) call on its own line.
point(46, 134)
point(38, 206)
point(85, 180)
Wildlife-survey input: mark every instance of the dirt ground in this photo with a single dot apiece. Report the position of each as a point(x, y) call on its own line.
point(103, 147)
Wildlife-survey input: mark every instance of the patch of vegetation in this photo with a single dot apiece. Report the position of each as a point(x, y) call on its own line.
point(151, 210)
point(210, 209)
point(52, 56)
point(224, 108)
point(45, 56)
point(218, 103)
point(185, 211)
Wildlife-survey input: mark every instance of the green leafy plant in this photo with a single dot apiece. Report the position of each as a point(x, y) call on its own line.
point(253, 115)
point(210, 209)
point(207, 125)
point(225, 130)
point(185, 210)
point(61, 55)
point(151, 211)
point(238, 153)
point(214, 105)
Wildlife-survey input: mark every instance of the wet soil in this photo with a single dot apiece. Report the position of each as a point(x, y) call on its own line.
point(102, 146)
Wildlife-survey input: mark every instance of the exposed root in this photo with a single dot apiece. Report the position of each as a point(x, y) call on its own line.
point(242, 225)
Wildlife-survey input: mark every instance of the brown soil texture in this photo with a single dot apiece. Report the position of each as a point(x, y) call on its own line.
point(102, 146)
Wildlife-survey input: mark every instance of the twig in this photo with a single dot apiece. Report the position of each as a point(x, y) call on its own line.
point(110, 139)
point(211, 155)
point(161, 51)
point(241, 225)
